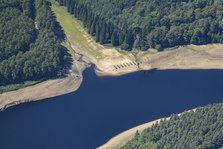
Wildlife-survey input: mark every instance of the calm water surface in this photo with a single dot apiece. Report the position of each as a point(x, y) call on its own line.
point(104, 107)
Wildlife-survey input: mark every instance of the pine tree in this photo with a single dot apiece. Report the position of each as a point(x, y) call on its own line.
point(92, 30)
point(115, 39)
point(97, 33)
point(102, 37)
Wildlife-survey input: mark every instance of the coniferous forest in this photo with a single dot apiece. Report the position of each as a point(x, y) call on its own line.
point(202, 129)
point(30, 46)
point(144, 24)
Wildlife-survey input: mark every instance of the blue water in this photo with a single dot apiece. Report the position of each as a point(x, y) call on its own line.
point(104, 107)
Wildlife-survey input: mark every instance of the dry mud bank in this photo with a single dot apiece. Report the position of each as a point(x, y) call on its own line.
point(187, 57)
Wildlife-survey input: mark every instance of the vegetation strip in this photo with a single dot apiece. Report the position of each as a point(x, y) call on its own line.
point(140, 24)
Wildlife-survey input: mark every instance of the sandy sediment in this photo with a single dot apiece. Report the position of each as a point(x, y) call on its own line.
point(115, 63)
point(47, 89)
point(123, 138)
point(187, 57)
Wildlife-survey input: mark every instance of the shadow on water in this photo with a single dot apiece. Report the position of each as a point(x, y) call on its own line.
point(104, 107)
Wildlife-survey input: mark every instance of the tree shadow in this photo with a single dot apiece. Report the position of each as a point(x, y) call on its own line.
point(66, 57)
point(58, 30)
point(67, 61)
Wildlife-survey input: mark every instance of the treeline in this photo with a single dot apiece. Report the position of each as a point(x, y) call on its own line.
point(30, 48)
point(147, 24)
point(202, 129)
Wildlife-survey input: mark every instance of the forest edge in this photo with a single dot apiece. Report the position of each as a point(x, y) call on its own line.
point(112, 62)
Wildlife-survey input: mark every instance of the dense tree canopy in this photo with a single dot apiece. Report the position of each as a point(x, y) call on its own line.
point(16, 30)
point(29, 45)
point(202, 129)
point(147, 24)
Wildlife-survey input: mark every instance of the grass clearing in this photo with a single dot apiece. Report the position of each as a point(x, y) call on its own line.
point(76, 34)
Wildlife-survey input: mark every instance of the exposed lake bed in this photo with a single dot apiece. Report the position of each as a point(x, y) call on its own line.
point(106, 106)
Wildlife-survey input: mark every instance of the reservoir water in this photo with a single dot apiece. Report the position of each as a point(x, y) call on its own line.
point(104, 107)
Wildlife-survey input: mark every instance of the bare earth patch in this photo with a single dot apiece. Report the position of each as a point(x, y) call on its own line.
point(188, 57)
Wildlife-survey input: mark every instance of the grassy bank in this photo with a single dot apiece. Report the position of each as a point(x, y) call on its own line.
point(75, 33)
point(13, 87)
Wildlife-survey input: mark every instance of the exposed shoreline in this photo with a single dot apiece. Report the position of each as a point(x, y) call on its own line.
point(110, 62)
point(50, 88)
point(188, 57)
point(121, 139)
